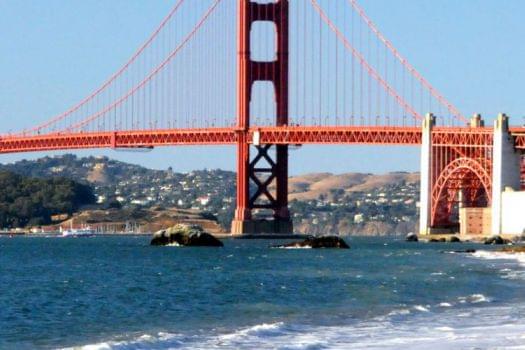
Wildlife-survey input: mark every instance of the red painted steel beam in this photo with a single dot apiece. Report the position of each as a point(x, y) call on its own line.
point(120, 139)
point(519, 137)
point(284, 135)
point(339, 135)
point(464, 137)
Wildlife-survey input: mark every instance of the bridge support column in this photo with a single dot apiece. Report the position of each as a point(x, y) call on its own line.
point(426, 171)
point(250, 171)
point(505, 168)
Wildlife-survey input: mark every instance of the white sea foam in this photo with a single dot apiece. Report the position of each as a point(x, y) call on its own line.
point(474, 299)
point(445, 304)
point(491, 255)
point(399, 312)
point(421, 308)
point(509, 259)
point(487, 328)
point(295, 247)
point(437, 274)
point(264, 329)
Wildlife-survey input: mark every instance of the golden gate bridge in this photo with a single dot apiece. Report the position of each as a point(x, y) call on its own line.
point(266, 75)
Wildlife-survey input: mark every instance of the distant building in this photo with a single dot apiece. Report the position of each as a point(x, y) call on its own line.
point(204, 200)
point(59, 217)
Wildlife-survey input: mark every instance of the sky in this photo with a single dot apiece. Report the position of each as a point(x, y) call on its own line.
point(54, 52)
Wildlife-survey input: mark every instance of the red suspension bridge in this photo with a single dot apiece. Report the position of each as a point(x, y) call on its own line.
point(267, 75)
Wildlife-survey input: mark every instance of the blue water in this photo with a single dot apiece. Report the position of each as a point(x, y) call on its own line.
point(120, 293)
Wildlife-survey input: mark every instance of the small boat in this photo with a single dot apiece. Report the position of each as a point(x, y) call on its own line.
point(78, 232)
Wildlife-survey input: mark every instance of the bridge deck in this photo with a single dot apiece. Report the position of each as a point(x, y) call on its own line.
point(366, 135)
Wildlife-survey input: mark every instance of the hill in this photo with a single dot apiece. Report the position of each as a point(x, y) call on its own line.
point(351, 203)
point(312, 186)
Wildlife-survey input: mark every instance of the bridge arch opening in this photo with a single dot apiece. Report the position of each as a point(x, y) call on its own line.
point(464, 182)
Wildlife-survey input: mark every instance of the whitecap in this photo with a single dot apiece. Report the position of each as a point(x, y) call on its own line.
point(478, 298)
point(474, 299)
point(445, 304)
point(295, 247)
point(259, 329)
point(143, 341)
point(421, 308)
point(399, 312)
point(491, 255)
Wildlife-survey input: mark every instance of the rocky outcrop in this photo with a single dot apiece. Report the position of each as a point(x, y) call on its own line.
point(466, 251)
point(496, 240)
point(318, 242)
point(185, 235)
point(411, 237)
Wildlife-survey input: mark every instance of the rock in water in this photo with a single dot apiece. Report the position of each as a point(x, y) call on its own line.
point(496, 240)
point(454, 239)
point(318, 242)
point(411, 237)
point(185, 235)
point(468, 251)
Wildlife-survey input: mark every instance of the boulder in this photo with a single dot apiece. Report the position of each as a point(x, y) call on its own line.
point(496, 240)
point(467, 251)
point(318, 242)
point(411, 237)
point(454, 239)
point(185, 235)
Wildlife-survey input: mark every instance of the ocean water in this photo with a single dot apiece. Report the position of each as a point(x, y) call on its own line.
point(120, 293)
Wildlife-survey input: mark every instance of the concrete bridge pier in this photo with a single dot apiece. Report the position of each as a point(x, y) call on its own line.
point(505, 168)
point(425, 181)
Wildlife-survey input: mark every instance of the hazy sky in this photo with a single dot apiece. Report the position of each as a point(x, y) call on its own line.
point(53, 52)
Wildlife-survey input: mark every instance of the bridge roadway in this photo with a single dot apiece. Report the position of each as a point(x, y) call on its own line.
point(293, 135)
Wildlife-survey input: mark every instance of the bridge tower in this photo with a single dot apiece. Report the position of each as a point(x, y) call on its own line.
point(252, 174)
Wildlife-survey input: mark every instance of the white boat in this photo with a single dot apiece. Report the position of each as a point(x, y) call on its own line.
point(78, 232)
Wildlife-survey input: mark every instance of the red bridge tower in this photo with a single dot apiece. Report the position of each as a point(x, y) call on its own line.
point(268, 182)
